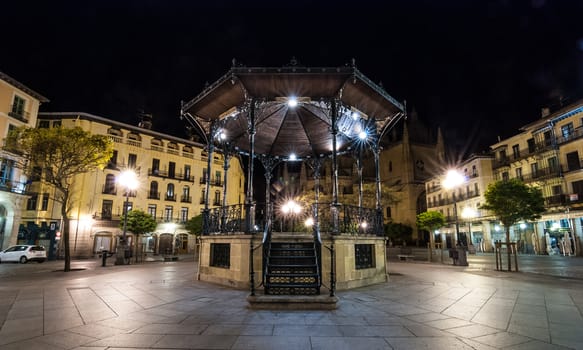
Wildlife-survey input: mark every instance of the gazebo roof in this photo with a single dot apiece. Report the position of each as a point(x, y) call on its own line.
point(280, 129)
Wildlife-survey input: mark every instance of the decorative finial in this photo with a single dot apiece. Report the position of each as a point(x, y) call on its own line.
point(293, 61)
point(353, 62)
point(233, 62)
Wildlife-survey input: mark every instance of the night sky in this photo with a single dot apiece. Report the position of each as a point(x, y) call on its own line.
point(477, 69)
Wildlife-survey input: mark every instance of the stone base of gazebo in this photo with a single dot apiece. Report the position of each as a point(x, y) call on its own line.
point(360, 260)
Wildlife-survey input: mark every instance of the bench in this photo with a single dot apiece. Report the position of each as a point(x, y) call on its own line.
point(404, 257)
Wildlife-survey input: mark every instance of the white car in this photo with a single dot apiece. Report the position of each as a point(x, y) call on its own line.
point(24, 254)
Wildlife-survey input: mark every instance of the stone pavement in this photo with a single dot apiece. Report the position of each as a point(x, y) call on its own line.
point(159, 306)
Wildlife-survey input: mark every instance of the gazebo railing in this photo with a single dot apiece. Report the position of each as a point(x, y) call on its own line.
point(353, 220)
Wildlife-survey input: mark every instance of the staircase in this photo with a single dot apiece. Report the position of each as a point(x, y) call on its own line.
point(292, 269)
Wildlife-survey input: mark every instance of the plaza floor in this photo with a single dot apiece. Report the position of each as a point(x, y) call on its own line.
point(159, 306)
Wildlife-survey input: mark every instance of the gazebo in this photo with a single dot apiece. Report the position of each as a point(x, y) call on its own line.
point(293, 114)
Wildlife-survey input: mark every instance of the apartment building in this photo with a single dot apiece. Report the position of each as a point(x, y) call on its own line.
point(460, 203)
point(547, 153)
point(18, 107)
point(172, 175)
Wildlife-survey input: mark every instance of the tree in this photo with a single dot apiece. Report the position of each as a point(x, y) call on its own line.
point(398, 232)
point(512, 201)
point(62, 154)
point(139, 222)
point(430, 221)
point(194, 227)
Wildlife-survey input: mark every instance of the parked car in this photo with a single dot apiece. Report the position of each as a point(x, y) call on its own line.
point(24, 254)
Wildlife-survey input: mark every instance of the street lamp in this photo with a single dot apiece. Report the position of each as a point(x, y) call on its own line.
point(452, 180)
point(291, 208)
point(129, 180)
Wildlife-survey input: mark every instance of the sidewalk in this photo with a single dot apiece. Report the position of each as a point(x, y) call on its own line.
point(161, 306)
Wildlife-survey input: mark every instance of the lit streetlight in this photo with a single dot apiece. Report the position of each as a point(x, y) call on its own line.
point(129, 180)
point(453, 179)
point(291, 208)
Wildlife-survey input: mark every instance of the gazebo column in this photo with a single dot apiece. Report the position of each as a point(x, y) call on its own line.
point(269, 163)
point(316, 165)
point(378, 224)
point(206, 210)
point(335, 205)
point(226, 167)
point(249, 202)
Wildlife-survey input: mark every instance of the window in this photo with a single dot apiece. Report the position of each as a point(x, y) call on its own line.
point(185, 194)
point(168, 212)
point(476, 189)
point(44, 124)
point(202, 197)
point(557, 190)
point(109, 187)
point(547, 138)
point(534, 169)
point(112, 164)
point(531, 145)
point(519, 173)
point(515, 152)
point(32, 202)
point(218, 178)
point(153, 193)
point(106, 209)
point(573, 162)
point(553, 164)
point(567, 130)
point(217, 200)
point(171, 169)
point(388, 212)
point(578, 188)
point(502, 155)
point(183, 215)
point(203, 178)
point(132, 161)
point(474, 171)
point(170, 195)
point(127, 207)
point(17, 110)
point(187, 172)
point(45, 202)
point(390, 166)
point(155, 166)
point(505, 176)
point(152, 210)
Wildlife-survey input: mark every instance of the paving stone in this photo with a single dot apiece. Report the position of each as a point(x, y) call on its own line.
point(428, 343)
point(271, 343)
point(502, 339)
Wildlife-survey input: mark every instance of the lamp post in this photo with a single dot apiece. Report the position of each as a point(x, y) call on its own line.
point(469, 213)
point(129, 180)
point(291, 208)
point(452, 180)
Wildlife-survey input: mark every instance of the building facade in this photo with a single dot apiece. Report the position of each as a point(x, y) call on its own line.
point(172, 176)
point(461, 204)
point(547, 154)
point(18, 107)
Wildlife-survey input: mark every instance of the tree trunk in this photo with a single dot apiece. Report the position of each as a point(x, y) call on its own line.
point(66, 234)
point(508, 247)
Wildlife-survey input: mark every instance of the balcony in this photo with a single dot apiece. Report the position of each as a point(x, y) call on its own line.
point(153, 195)
point(202, 200)
point(13, 187)
point(576, 134)
point(23, 116)
point(542, 174)
point(559, 199)
point(217, 182)
point(217, 202)
point(170, 175)
point(170, 197)
point(185, 199)
point(109, 189)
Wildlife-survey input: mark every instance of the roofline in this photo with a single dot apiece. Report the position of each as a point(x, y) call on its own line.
point(92, 117)
point(292, 69)
point(23, 87)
